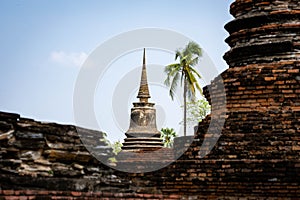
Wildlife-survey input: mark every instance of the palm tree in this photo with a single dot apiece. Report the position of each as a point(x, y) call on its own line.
point(168, 135)
point(185, 72)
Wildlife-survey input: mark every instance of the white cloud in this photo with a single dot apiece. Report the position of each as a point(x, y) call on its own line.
point(68, 59)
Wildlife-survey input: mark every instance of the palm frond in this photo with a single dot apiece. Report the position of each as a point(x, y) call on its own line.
point(170, 67)
point(174, 84)
point(190, 95)
point(187, 58)
point(194, 61)
point(194, 80)
point(184, 60)
point(195, 72)
point(190, 77)
point(178, 54)
point(194, 48)
point(170, 70)
point(193, 83)
point(191, 80)
point(199, 88)
point(167, 81)
point(196, 85)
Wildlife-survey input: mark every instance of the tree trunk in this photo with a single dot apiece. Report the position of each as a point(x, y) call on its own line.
point(184, 107)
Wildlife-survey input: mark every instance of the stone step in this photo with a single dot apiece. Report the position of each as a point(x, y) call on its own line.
point(141, 147)
point(142, 139)
point(143, 143)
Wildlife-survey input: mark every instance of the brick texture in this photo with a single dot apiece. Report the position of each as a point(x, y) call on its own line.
point(248, 148)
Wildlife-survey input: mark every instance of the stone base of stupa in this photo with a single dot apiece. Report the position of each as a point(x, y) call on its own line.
point(142, 144)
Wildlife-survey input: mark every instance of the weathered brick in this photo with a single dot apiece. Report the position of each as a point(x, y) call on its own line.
point(8, 192)
point(76, 194)
point(270, 78)
point(256, 155)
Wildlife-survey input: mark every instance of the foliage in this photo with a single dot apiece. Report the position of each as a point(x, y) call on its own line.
point(196, 111)
point(112, 160)
point(184, 72)
point(117, 147)
point(168, 135)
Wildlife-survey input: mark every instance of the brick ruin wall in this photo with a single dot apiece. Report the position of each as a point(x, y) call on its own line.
point(43, 160)
point(257, 155)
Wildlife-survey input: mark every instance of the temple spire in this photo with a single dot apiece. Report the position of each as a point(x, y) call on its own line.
point(143, 94)
point(142, 134)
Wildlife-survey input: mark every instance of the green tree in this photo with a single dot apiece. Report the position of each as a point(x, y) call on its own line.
point(168, 135)
point(184, 72)
point(196, 111)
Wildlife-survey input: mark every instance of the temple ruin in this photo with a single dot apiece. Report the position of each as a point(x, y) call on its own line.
point(257, 155)
point(142, 134)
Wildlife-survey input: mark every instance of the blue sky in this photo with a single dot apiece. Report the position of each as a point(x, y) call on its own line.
point(44, 43)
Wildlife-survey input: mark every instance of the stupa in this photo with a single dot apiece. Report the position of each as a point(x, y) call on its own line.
point(142, 134)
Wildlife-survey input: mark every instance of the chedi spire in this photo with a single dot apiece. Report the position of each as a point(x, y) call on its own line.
point(143, 94)
point(142, 134)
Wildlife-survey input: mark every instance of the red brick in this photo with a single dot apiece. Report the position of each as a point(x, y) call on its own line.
point(76, 194)
point(293, 71)
point(174, 196)
point(279, 82)
point(43, 192)
point(107, 194)
point(148, 196)
point(30, 192)
point(8, 192)
point(139, 195)
point(55, 193)
point(270, 78)
point(12, 198)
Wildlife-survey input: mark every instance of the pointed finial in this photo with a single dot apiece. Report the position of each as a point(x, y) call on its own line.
point(144, 58)
point(143, 94)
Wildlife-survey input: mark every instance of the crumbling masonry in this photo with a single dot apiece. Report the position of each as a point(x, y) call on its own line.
point(257, 155)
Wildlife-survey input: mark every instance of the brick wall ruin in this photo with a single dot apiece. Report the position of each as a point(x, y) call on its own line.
point(49, 156)
point(256, 157)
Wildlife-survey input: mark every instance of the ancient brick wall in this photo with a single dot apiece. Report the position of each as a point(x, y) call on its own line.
point(29, 171)
point(262, 85)
point(256, 156)
point(75, 195)
point(49, 156)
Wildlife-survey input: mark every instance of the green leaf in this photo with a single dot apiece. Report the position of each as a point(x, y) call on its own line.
point(174, 85)
point(183, 70)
